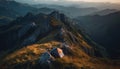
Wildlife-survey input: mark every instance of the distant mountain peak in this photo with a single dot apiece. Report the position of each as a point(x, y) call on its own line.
point(29, 14)
point(55, 14)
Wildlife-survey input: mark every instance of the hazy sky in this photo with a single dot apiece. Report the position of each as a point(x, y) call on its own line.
point(51, 1)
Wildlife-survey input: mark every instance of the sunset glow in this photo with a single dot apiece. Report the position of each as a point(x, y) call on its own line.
point(39, 1)
point(112, 1)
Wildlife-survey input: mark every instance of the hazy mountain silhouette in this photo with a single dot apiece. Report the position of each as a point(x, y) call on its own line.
point(17, 7)
point(9, 10)
point(104, 30)
point(104, 12)
point(67, 9)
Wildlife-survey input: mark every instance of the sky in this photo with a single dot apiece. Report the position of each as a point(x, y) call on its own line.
point(61, 1)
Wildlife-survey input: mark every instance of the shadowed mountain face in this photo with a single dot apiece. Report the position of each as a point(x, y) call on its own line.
point(24, 30)
point(104, 30)
point(9, 10)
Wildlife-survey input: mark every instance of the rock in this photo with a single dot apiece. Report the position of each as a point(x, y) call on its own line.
point(57, 53)
point(66, 48)
point(46, 58)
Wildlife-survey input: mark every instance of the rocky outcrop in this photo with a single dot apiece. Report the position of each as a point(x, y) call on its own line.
point(46, 58)
point(57, 52)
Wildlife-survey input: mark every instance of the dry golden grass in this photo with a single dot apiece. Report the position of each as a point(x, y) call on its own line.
point(30, 53)
point(78, 58)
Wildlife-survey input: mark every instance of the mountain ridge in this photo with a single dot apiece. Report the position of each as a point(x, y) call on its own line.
point(47, 39)
point(62, 33)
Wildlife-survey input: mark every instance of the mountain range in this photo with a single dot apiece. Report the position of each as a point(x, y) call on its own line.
point(47, 37)
point(38, 30)
point(104, 30)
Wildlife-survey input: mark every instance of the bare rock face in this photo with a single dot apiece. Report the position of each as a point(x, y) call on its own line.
point(32, 37)
point(25, 29)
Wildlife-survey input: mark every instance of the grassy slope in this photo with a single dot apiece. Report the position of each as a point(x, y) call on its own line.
point(27, 57)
